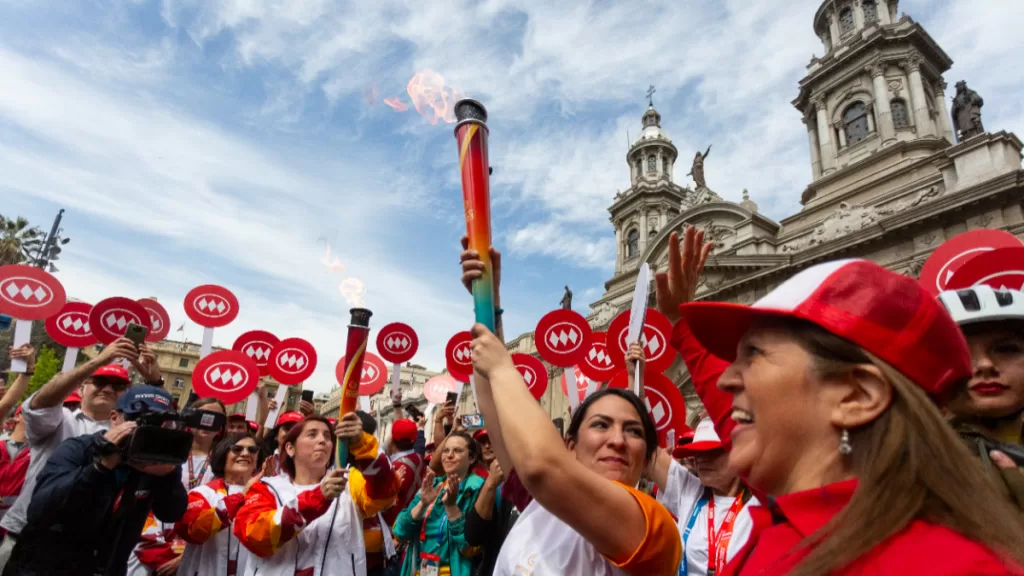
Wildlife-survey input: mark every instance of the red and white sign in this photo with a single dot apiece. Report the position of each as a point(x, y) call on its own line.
point(228, 375)
point(562, 337)
point(940, 267)
point(582, 383)
point(999, 268)
point(437, 388)
point(397, 343)
point(28, 293)
point(375, 374)
point(109, 318)
point(257, 345)
point(664, 402)
point(292, 361)
point(597, 362)
point(70, 327)
point(655, 340)
point(458, 356)
point(211, 306)
point(159, 320)
point(533, 372)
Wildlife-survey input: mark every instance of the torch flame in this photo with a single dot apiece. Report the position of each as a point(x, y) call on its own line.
point(396, 104)
point(332, 265)
point(432, 99)
point(353, 290)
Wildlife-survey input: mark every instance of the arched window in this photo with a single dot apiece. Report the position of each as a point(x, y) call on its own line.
point(652, 164)
point(900, 118)
point(870, 11)
point(855, 122)
point(632, 243)
point(846, 21)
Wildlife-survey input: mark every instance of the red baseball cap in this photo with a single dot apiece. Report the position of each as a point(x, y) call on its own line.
point(887, 314)
point(404, 429)
point(481, 433)
point(289, 418)
point(112, 371)
point(18, 410)
point(237, 416)
point(73, 397)
point(703, 439)
point(253, 426)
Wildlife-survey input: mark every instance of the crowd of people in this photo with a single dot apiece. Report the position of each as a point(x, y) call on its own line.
point(853, 424)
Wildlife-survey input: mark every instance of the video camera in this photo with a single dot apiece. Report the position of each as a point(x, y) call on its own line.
point(165, 437)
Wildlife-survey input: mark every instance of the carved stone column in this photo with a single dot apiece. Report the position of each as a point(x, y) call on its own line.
point(883, 12)
point(828, 157)
point(619, 248)
point(662, 218)
point(643, 231)
point(945, 126)
point(812, 138)
point(837, 126)
point(885, 127)
point(871, 116)
point(858, 15)
point(833, 26)
point(922, 119)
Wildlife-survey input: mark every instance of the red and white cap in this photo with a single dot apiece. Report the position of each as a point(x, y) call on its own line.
point(73, 397)
point(887, 314)
point(705, 439)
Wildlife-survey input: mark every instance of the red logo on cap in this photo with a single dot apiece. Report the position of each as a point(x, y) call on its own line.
point(159, 320)
point(375, 373)
point(437, 388)
point(109, 318)
point(211, 306)
point(227, 375)
point(459, 356)
point(654, 338)
point(562, 337)
point(597, 362)
point(257, 345)
point(28, 293)
point(292, 361)
point(533, 372)
point(397, 342)
point(940, 267)
point(70, 327)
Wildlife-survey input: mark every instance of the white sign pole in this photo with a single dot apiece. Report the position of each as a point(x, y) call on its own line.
point(572, 389)
point(637, 315)
point(282, 393)
point(70, 355)
point(22, 336)
point(396, 379)
point(472, 386)
point(364, 404)
point(207, 346)
point(251, 405)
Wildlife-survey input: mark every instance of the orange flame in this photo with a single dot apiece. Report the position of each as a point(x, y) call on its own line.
point(396, 104)
point(370, 94)
point(432, 99)
point(335, 264)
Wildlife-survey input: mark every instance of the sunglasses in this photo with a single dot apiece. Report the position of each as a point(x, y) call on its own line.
point(247, 449)
point(116, 384)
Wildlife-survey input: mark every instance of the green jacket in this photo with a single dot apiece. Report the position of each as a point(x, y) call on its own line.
point(443, 538)
point(1009, 481)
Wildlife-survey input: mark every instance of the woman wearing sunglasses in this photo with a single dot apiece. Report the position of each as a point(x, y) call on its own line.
point(212, 507)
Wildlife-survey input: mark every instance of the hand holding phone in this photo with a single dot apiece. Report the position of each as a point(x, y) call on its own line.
point(136, 333)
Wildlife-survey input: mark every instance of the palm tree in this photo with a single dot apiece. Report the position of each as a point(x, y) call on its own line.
point(18, 240)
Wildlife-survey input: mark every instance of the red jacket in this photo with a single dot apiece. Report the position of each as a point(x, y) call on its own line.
point(12, 475)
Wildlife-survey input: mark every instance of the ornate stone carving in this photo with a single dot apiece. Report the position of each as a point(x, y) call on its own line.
point(929, 239)
point(652, 224)
point(715, 233)
point(602, 314)
point(818, 102)
point(985, 220)
point(895, 85)
point(875, 69)
point(914, 269)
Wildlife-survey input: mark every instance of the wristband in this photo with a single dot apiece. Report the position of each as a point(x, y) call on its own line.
point(29, 372)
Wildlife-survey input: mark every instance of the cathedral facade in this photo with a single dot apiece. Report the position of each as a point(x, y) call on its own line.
point(894, 176)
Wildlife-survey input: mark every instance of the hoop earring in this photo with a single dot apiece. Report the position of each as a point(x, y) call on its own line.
point(845, 448)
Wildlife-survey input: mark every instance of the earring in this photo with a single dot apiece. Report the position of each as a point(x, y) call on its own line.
point(844, 443)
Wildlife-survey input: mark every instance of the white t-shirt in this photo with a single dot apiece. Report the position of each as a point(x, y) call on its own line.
point(45, 428)
point(203, 476)
point(682, 492)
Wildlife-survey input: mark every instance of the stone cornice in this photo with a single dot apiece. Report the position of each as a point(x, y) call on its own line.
point(639, 192)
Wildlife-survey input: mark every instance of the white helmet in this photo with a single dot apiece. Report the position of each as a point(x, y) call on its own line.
point(982, 303)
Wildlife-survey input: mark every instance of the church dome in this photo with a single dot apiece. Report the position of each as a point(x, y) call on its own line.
point(652, 127)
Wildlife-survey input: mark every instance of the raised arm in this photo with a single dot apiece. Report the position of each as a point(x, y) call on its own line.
point(63, 384)
point(16, 390)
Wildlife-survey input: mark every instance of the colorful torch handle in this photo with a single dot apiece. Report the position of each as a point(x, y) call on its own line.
point(355, 351)
point(471, 134)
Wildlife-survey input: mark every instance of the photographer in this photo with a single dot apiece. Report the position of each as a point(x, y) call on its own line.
point(90, 504)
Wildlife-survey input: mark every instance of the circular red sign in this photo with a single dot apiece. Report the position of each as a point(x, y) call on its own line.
point(943, 263)
point(159, 320)
point(397, 342)
point(999, 268)
point(109, 318)
point(28, 293)
point(257, 345)
point(437, 388)
point(582, 383)
point(458, 355)
point(562, 337)
point(664, 402)
point(533, 372)
point(227, 375)
point(597, 362)
point(375, 374)
point(211, 306)
point(70, 327)
point(292, 361)
point(655, 339)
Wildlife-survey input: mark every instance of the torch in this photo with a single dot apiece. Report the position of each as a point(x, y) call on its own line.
point(355, 350)
point(471, 134)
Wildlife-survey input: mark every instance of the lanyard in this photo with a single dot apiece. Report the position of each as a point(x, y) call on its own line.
point(717, 550)
point(193, 480)
point(426, 517)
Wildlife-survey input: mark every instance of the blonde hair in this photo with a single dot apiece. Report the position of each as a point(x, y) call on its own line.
point(910, 466)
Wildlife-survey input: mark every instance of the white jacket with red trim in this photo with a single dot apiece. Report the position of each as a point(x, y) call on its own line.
point(206, 527)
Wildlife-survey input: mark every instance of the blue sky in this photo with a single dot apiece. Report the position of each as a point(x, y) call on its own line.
point(222, 141)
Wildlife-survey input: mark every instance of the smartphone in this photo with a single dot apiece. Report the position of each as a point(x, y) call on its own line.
point(472, 421)
point(307, 396)
point(413, 412)
point(136, 333)
point(452, 398)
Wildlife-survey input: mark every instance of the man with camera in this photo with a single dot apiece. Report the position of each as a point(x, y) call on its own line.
point(93, 495)
point(100, 382)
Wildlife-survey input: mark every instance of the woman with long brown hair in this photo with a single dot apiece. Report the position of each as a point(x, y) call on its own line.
point(833, 378)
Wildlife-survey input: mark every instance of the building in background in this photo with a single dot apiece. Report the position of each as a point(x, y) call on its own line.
point(412, 377)
point(319, 401)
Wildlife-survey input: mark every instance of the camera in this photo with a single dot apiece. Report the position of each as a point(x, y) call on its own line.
point(164, 437)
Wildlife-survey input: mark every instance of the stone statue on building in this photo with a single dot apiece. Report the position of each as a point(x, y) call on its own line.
point(567, 299)
point(698, 169)
point(967, 111)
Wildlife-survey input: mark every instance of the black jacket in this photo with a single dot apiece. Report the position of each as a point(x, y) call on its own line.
point(490, 534)
point(84, 521)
